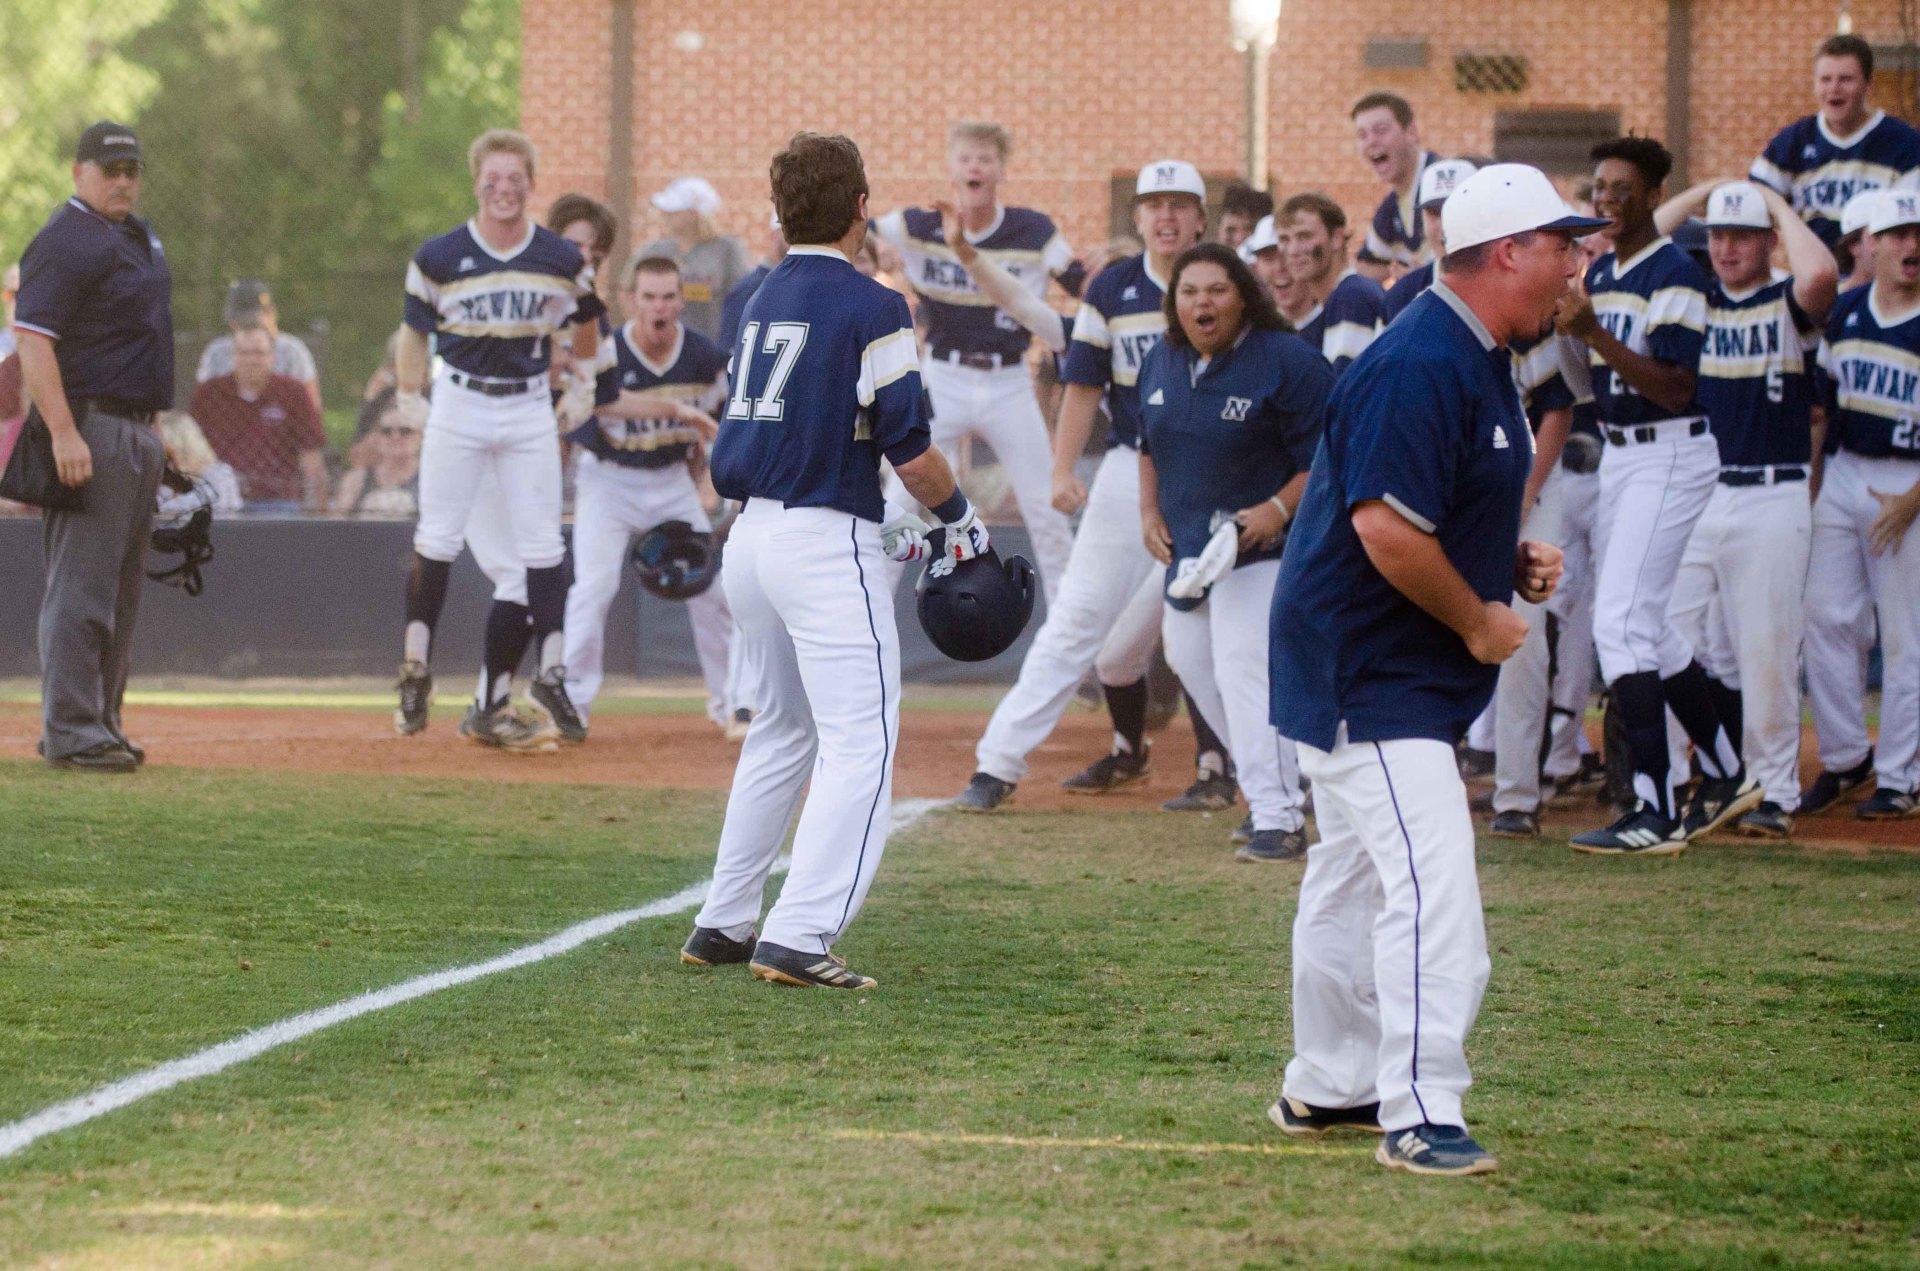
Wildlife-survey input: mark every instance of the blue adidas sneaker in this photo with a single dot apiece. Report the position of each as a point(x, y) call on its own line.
point(1434, 1149)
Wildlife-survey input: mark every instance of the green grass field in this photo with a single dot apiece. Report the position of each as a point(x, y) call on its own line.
point(1708, 1062)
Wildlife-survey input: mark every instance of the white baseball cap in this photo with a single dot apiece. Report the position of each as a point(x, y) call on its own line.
point(1263, 239)
point(1738, 205)
point(1893, 209)
point(1170, 176)
point(1858, 211)
point(1505, 199)
point(1440, 180)
point(689, 194)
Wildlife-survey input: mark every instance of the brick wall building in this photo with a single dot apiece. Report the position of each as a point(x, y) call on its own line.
point(1094, 89)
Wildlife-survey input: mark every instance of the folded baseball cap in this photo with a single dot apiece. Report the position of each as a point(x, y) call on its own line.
point(689, 194)
point(1440, 180)
point(1170, 176)
point(1858, 211)
point(1504, 199)
point(246, 297)
point(107, 142)
point(1738, 205)
point(1263, 239)
point(1894, 209)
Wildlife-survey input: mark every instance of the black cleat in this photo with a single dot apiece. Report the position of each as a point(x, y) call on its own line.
point(1515, 824)
point(1210, 792)
point(780, 965)
point(1641, 832)
point(1111, 772)
point(108, 756)
point(1768, 821)
point(416, 698)
point(549, 693)
point(984, 793)
point(1273, 845)
point(504, 728)
point(1888, 804)
point(1243, 834)
point(1719, 801)
point(1298, 1117)
point(1830, 787)
point(707, 947)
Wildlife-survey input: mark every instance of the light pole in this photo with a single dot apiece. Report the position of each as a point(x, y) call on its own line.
point(1255, 27)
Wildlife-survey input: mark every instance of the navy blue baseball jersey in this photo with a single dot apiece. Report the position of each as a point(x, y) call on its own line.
point(694, 373)
point(1407, 287)
point(1398, 232)
point(1429, 423)
point(1229, 434)
point(1655, 304)
point(494, 314)
point(1870, 378)
point(734, 307)
point(1119, 322)
point(826, 379)
point(959, 315)
point(1755, 381)
point(1818, 172)
point(1342, 328)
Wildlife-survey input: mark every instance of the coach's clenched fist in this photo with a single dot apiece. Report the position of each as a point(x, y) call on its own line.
point(1536, 570)
point(1499, 635)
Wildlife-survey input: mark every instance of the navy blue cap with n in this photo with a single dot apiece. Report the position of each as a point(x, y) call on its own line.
point(107, 142)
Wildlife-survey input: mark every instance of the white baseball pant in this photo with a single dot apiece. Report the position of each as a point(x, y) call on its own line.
point(1522, 696)
point(1389, 947)
point(1651, 493)
point(1000, 408)
point(818, 634)
point(1107, 575)
point(1572, 607)
point(1219, 651)
point(470, 435)
point(1847, 585)
point(1741, 601)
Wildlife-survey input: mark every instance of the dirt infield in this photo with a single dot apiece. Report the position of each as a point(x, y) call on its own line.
point(686, 751)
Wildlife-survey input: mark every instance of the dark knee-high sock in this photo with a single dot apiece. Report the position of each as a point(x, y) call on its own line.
point(547, 606)
point(1690, 694)
point(1731, 708)
point(1210, 752)
point(1643, 710)
point(507, 636)
point(1127, 703)
point(426, 596)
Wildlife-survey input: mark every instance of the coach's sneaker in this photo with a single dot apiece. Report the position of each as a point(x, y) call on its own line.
point(707, 947)
point(1515, 824)
point(1719, 801)
point(1888, 804)
point(1298, 1117)
point(1768, 821)
point(549, 693)
point(735, 729)
point(1243, 834)
point(984, 793)
point(416, 698)
point(1111, 772)
point(1273, 845)
point(778, 964)
point(1211, 792)
point(506, 729)
point(1434, 1149)
point(1641, 832)
point(1830, 787)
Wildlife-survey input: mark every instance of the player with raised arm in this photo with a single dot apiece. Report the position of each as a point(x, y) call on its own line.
point(1389, 140)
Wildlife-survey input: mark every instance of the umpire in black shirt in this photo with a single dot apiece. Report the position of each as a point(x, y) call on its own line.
point(95, 328)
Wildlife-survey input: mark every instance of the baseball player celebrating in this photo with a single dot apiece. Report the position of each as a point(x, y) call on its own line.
point(976, 368)
point(1740, 595)
point(1389, 141)
point(1349, 308)
point(492, 294)
point(1438, 180)
point(825, 382)
point(1389, 619)
point(1643, 318)
point(1865, 556)
point(1109, 572)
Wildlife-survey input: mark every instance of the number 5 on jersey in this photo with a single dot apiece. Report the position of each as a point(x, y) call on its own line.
point(784, 341)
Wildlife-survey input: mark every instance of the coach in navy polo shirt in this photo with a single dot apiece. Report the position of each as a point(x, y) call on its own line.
point(1389, 621)
point(95, 325)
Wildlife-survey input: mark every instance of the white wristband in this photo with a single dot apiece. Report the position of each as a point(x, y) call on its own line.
point(1285, 516)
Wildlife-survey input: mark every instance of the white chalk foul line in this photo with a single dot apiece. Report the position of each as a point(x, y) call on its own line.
point(19, 1135)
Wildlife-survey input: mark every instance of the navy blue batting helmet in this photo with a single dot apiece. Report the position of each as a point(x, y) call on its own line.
point(979, 609)
point(674, 561)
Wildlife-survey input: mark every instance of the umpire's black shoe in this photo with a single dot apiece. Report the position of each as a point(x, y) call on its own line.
point(416, 698)
point(778, 964)
point(1273, 845)
point(549, 693)
point(1515, 824)
point(1887, 804)
point(1211, 792)
point(1718, 801)
point(1830, 787)
point(108, 756)
point(1641, 832)
point(707, 947)
point(984, 793)
point(1298, 1117)
point(1111, 772)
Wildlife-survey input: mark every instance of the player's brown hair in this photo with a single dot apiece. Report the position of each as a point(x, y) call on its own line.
point(569, 208)
point(818, 182)
point(1241, 199)
point(1402, 111)
point(1256, 306)
point(642, 263)
point(1849, 46)
point(1331, 214)
point(991, 133)
point(500, 141)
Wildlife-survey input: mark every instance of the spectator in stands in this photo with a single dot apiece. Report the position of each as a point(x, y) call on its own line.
point(387, 485)
point(710, 262)
point(250, 304)
point(745, 290)
point(188, 450)
point(383, 380)
point(1241, 207)
point(266, 426)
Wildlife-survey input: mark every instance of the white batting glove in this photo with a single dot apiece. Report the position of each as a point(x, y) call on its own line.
point(904, 539)
point(965, 539)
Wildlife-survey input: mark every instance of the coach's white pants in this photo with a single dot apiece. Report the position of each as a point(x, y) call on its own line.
point(611, 504)
point(1108, 576)
point(1571, 606)
point(1847, 587)
point(1389, 948)
point(1650, 496)
point(999, 407)
point(1522, 696)
point(1741, 601)
point(1219, 651)
point(470, 435)
point(818, 636)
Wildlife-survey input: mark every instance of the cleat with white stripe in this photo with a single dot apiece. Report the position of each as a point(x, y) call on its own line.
point(1434, 1149)
point(778, 964)
point(1641, 832)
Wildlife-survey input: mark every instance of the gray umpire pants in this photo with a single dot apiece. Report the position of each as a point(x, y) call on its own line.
point(94, 558)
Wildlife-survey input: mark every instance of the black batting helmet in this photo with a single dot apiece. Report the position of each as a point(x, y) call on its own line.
point(978, 609)
point(674, 561)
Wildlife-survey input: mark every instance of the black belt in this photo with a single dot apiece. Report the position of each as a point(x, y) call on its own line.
point(493, 388)
point(1778, 474)
point(120, 408)
point(1648, 432)
point(974, 361)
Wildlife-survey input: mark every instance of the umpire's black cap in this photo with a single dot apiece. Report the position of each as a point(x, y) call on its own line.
point(107, 142)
